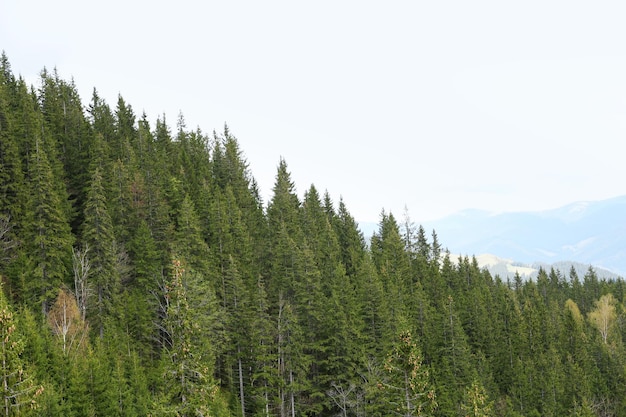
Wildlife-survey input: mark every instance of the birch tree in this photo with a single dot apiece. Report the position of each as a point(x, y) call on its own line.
point(66, 322)
point(604, 315)
point(81, 267)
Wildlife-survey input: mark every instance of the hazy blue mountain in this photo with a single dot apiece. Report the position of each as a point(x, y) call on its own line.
point(588, 233)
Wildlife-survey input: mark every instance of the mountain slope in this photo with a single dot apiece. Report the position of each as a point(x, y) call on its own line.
point(592, 233)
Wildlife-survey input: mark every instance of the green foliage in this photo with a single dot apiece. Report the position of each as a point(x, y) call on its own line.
point(268, 309)
point(98, 236)
point(47, 232)
point(19, 391)
point(189, 386)
point(405, 387)
point(475, 402)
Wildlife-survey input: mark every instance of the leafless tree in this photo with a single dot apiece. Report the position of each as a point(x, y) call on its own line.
point(342, 397)
point(82, 267)
point(122, 263)
point(7, 243)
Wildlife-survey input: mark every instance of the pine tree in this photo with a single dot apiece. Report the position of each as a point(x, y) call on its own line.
point(508, 329)
point(286, 234)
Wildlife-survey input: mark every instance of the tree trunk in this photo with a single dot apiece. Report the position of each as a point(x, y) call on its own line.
point(291, 395)
point(241, 394)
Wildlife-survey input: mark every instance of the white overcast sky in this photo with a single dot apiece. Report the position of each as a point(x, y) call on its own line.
point(438, 106)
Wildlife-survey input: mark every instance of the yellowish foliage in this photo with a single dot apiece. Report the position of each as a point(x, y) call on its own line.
point(604, 315)
point(65, 321)
point(574, 311)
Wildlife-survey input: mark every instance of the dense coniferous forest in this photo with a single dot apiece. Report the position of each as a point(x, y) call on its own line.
point(142, 274)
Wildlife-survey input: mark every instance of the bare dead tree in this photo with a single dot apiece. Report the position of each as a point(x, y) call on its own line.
point(341, 397)
point(7, 243)
point(161, 298)
point(122, 263)
point(82, 289)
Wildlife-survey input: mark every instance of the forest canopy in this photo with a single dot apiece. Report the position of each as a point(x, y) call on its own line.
point(142, 274)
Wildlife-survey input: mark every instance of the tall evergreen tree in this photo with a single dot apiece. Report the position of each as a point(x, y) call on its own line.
point(351, 241)
point(391, 259)
point(190, 389)
point(65, 123)
point(11, 175)
point(406, 390)
point(49, 236)
point(98, 235)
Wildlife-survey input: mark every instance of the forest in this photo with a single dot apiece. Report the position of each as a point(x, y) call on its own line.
point(143, 275)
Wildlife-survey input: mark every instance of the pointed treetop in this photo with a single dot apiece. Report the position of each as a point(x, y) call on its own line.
point(283, 184)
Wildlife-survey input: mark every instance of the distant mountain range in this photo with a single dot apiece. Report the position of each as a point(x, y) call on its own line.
point(587, 233)
point(583, 234)
point(507, 268)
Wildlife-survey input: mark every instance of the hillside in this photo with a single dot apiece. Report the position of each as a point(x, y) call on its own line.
point(142, 274)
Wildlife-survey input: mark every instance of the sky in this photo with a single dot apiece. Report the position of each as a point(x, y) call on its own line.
point(429, 106)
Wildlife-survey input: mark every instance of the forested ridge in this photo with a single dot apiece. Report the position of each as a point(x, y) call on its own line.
point(142, 274)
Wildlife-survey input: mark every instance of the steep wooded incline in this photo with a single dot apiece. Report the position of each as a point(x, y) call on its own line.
point(143, 275)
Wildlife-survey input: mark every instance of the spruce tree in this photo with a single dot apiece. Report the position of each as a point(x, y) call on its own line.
point(11, 175)
point(146, 267)
point(392, 262)
point(373, 309)
point(189, 386)
point(98, 235)
point(351, 241)
point(405, 388)
point(476, 401)
point(49, 236)
point(65, 123)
